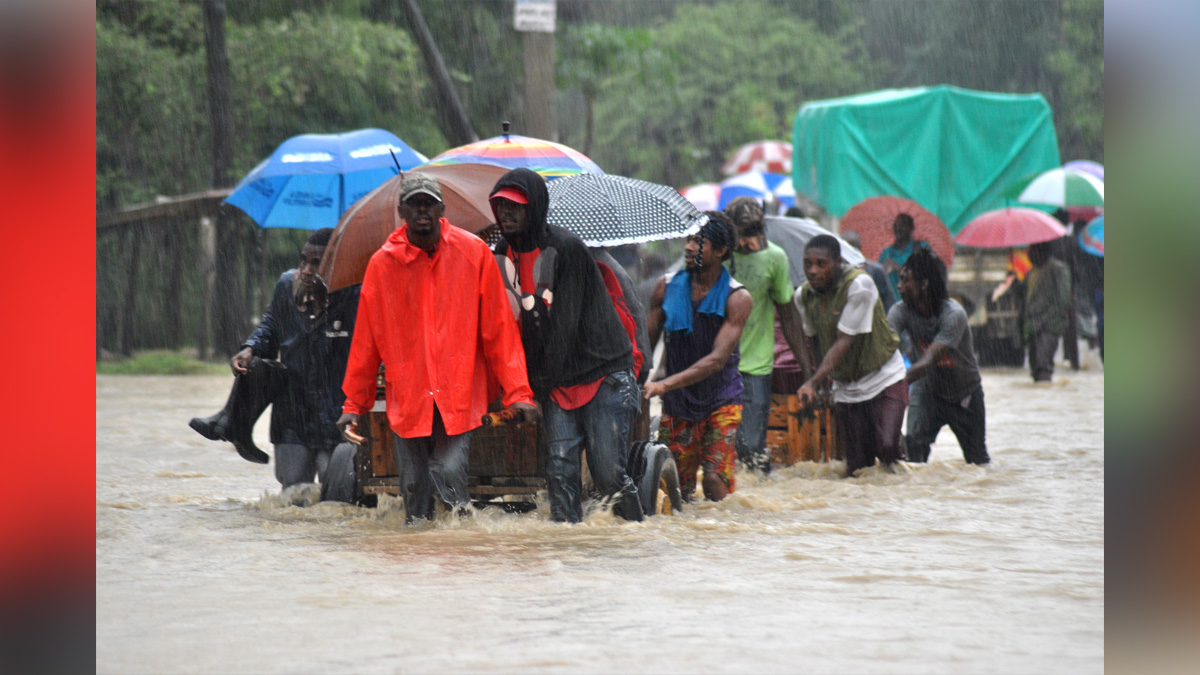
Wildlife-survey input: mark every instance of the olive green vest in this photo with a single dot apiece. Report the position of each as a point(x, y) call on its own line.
point(868, 352)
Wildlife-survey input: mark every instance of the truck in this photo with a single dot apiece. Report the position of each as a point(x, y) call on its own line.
point(955, 151)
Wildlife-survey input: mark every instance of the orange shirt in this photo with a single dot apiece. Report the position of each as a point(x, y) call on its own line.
point(439, 324)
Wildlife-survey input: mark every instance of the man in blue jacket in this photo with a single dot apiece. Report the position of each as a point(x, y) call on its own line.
point(309, 330)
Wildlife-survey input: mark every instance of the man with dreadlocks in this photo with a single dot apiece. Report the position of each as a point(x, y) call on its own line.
point(703, 311)
point(946, 388)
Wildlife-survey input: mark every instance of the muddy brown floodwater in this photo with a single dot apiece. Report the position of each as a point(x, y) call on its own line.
point(940, 568)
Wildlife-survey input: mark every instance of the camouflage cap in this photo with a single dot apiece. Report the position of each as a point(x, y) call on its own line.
point(415, 182)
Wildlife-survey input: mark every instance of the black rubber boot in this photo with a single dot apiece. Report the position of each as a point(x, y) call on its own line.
point(211, 427)
point(252, 392)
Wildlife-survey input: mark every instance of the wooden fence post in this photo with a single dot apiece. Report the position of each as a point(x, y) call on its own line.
point(130, 299)
point(208, 272)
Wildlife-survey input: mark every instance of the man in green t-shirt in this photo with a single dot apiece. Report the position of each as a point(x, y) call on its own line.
point(762, 267)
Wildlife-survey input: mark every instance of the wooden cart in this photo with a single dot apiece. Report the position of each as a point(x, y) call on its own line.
point(507, 464)
point(791, 437)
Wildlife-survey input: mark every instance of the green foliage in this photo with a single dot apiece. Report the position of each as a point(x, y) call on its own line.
point(590, 54)
point(324, 74)
point(304, 73)
point(1079, 63)
point(160, 362)
point(150, 124)
point(712, 78)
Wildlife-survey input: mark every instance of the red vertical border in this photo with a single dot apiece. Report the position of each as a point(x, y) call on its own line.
point(47, 334)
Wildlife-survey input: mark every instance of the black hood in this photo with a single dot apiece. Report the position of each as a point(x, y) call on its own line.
point(534, 187)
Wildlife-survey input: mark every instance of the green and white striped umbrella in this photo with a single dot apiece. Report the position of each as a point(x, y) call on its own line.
point(1061, 187)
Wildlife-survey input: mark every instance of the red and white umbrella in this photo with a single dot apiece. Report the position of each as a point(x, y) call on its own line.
point(705, 195)
point(872, 220)
point(1005, 228)
point(764, 156)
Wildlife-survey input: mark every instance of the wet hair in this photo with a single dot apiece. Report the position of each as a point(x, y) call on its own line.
point(320, 237)
point(719, 230)
point(825, 242)
point(746, 213)
point(1039, 254)
point(906, 220)
point(924, 265)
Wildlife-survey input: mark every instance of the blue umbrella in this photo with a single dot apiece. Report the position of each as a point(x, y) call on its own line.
point(1091, 238)
point(311, 179)
point(758, 185)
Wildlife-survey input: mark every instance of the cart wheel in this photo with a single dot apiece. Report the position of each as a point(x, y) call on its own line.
point(653, 469)
point(338, 483)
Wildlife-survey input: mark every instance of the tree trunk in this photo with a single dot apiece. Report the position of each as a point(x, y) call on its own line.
point(231, 313)
point(452, 118)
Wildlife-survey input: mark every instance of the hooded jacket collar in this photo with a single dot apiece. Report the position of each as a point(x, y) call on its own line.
point(399, 247)
point(534, 187)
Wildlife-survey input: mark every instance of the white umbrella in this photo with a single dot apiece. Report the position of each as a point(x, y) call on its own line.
point(704, 195)
point(792, 234)
point(1063, 187)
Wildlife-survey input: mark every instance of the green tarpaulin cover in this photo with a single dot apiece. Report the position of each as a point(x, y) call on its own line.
point(952, 150)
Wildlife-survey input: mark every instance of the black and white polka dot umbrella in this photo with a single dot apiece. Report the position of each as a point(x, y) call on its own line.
point(607, 210)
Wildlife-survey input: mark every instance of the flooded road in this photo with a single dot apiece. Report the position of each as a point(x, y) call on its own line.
point(941, 568)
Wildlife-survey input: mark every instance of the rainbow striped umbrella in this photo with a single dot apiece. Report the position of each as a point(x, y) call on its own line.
point(551, 160)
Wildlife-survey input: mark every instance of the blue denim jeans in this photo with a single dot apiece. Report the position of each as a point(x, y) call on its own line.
point(752, 433)
point(296, 463)
point(928, 413)
point(603, 429)
point(437, 462)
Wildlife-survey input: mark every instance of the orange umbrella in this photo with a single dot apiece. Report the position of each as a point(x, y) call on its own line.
point(368, 223)
point(872, 220)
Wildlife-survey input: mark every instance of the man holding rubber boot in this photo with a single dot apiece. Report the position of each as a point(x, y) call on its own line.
point(309, 330)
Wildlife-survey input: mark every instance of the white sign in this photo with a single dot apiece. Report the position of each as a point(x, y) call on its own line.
point(534, 16)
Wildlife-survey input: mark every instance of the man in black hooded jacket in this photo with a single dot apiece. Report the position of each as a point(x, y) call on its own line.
point(578, 353)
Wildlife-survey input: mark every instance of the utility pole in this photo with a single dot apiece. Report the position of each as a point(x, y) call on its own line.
point(535, 20)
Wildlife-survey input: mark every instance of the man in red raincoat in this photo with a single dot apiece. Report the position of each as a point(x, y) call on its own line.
point(433, 310)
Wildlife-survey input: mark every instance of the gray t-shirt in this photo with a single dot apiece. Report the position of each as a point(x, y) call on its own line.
point(956, 374)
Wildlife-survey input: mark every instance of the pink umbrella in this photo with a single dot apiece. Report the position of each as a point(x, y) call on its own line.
point(1005, 228)
point(764, 156)
point(705, 196)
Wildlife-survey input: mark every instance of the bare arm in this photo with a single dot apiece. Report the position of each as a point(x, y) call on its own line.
point(833, 359)
point(793, 333)
point(926, 362)
point(657, 317)
point(737, 310)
